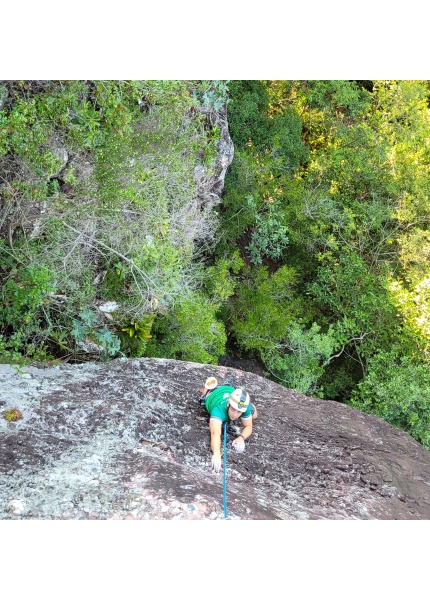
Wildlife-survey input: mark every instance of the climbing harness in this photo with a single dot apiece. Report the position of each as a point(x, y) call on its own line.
point(225, 470)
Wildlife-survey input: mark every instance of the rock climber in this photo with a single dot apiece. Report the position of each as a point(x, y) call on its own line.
point(226, 403)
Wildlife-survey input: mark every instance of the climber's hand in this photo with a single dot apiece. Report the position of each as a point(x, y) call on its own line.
point(239, 444)
point(216, 462)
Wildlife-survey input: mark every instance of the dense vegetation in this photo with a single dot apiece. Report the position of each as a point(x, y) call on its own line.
point(100, 204)
point(329, 198)
point(316, 263)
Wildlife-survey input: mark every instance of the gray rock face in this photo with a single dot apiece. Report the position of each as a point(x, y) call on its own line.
point(3, 94)
point(128, 440)
point(225, 149)
point(58, 148)
point(81, 165)
point(210, 188)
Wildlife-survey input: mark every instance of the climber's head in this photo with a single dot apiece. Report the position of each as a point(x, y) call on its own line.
point(238, 402)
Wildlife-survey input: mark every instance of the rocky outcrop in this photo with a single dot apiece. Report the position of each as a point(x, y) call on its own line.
point(4, 93)
point(225, 148)
point(210, 181)
point(128, 439)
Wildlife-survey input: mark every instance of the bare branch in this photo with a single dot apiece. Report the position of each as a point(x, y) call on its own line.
point(353, 339)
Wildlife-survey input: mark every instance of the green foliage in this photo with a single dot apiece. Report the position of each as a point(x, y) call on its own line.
point(354, 209)
point(247, 114)
point(213, 95)
point(140, 329)
point(263, 307)
point(219, 281)
point(269, 150)
point(10, 349)
point(255, 126)
point(358, 304)
point(265, 315)
point(237, 215)
point(397, 389)
point(88, 329)
point(269, 237)
point(337, 96)
point(209, 152)
point(328, 189)
point(190, 332)
point(127, 231)
point(135, 336)
point(24, 293)
point(299, 360)
point(340, 377)
point(414, 304)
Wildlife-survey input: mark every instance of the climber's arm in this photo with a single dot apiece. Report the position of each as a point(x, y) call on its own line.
point(215, 426)
point(247, 427)
point(239, 442)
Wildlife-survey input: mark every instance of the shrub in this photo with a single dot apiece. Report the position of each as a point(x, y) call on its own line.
point(247, 114)
point(300, 359)
point(263, 307)
point(269, 236)
point(191, 331)
point(135, 336)
point(121, 220)
point(397, 389)
point(89, 329)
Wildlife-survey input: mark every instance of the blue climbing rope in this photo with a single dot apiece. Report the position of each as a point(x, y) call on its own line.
point(225, 470)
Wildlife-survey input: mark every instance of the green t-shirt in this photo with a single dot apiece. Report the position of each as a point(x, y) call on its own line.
point(217, 401)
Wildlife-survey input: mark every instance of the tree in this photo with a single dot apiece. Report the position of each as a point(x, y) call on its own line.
point(397, 389)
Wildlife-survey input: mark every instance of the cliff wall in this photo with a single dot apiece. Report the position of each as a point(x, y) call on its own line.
point(128, 440)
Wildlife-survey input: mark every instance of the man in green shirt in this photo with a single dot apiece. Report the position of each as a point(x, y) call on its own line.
point(225, 403)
